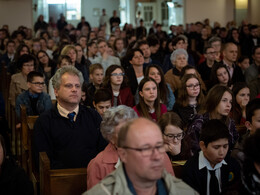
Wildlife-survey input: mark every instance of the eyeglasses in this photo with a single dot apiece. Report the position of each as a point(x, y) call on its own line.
point(118, 74)
point(178, 136)
point(38, 83)
point(146, 152)
point(193, 86)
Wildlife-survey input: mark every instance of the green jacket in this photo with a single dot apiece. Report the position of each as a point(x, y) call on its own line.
point(116, 184)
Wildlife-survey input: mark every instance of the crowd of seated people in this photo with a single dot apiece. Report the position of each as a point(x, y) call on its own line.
point(198, 86)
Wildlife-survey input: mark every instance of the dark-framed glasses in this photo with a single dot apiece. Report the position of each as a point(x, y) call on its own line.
point(118, 74)
point(193, 86)
point(178, 136)
point(146, 152)
point(38, 83)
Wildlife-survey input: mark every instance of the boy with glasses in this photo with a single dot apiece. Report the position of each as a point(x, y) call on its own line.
point(35, 100)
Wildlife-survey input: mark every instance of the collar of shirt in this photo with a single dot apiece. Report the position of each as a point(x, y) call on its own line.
point(203, 162)
point(64, 112)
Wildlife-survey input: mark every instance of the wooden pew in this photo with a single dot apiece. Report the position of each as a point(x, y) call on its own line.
point(61, 181)
point(177, 167)
point(26, 133)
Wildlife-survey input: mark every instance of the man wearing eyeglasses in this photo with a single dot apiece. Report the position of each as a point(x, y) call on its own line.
point(141, 151)
point(35, 100)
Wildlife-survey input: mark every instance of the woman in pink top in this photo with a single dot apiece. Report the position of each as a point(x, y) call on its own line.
point(149, 104)
point(108, 160)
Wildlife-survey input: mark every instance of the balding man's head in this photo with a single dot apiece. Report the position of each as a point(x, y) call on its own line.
point(140, 143)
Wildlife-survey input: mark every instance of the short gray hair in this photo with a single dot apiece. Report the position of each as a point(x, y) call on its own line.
point(214, 39)
point(177, 52)
point(112, 117)
point(56, 80)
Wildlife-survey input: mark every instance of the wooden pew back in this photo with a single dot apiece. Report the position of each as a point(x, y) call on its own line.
point(61, 181)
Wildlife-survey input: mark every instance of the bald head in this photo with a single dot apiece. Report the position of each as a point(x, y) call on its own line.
point(230, 52)
point(135, 127)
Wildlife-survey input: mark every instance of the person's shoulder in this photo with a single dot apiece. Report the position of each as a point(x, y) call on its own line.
point(175, 185)
point(89, 112)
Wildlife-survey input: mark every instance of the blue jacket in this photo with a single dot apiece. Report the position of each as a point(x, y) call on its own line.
point(44, 103)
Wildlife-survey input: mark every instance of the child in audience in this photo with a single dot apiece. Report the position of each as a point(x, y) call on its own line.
point(116, 81)
point(102, 100)
point(190, 98)
point(212, 171)
point(166, 95)
point(252, 124)
point(35, 100)
point(149, 105)
point(173, 134)
point(241, 94)
point(243, 62)
point(220, 75)
point(96, 75)
point(217, 106)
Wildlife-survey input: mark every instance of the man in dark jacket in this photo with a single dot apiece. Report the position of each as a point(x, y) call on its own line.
point(69, 133)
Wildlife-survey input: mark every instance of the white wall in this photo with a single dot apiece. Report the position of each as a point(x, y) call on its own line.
point(88, 5)
point(16, 13)
point(221, 11)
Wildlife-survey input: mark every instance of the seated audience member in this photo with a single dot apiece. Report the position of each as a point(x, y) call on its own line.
point(96, 75)
point(166, 95)
point(46, 65)
point(205, 67)
point(243, 62)
point(212, 171)
point(217, 106)
point(82, 60)
point(35, 100)
point(62, 61)
point(141, 149)
point(176, 147)
point(13, 66)
point(145, 48)
point(8, 57)
point(216, 43)
point(220, 76)
point(92, 51)
point(71, 51)
point(180, 42)
point(68, 133)
point(241, 95)
point(192, 70)
point(190, 99)
point(230, 52)
point(253, 70)
point(251, 166)
point(119, 47)
point(254, 86)
point(179, 59)
point(105, 59)
point(18, 83)
point(102, 100)
point(149, 105)
point(108, 160)
point(117, 82)
point(135, 73)
point(252, 125)
point(13, 179)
